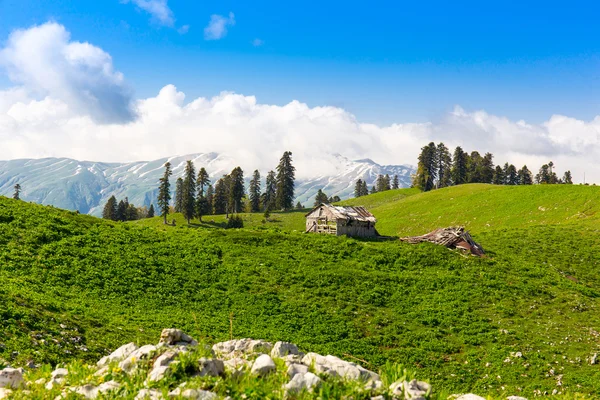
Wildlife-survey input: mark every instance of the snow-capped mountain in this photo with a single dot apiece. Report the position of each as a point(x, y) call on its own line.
point(86, 186)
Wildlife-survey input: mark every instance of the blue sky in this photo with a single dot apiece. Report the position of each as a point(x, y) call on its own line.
point(384, 62)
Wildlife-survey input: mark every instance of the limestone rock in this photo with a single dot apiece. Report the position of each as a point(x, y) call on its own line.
point(11, 377)
point(263, 365)
point(416, 390)
point(59, 373)
point(92, 392)
point(117, 355)
point(397, 388)
point(176, 337)
point(160, 368)
point(149, 394)
point(282, 349)
point(4, 393)
point(380, 397)
point(469, 396)
point(196, 394)
point(299, 382)
point(335, 366)
point(129, 363)
point(210, 367)
point(235, 348)
point(295, 369)
point(516, 398)
point(373, 385)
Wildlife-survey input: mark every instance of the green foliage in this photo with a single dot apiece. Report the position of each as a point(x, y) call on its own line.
point(235, 221)
point(286, 175)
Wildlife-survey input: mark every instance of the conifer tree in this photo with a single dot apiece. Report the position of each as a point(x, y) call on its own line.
point(524, 176)
point(396, 183)
point(210, 192)
point(459, 166)
point(254, 190)
point(202, 181)
point(475, 168)
point(17, 194)
point(110, 209)
point(488, 170)
point(426, 168)
point(164, 192)
point(237, 190)
point(567, 178)
point(220, 197)
point(387, 184)
point(505, 171)
point(444, 166)
point(498, 178)
point(286, 177)
point(132, 213)
point(512, 176)
point(364, 189)
point(373, 190)
point(358, 188)
point(189, 191)
point(202, 204)
point(321, 198)
point(543, 176)
point(299, 206)
point(270, 194)
point(122, 211)
point(150, 211)
point(179, 195)
point(380, 183)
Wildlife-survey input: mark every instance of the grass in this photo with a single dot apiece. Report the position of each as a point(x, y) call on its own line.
point(75, 287)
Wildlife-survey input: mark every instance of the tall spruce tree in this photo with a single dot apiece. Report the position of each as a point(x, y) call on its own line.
point(525, 176)
point(396, 183)
point(270, 195)
point(512, 177)
point(202, 181)
point(567, 178)
point(426, 168)
point(387, 184)
point(220, 197)
point(380, 183)
point(364, 189)
point(164, 192)
point(150, 211)
point(498, 178)
point(459, 166)
point(475, 167)
point(237, 190)
point(321, 198)
point(188, 200)
point(110, 209)
point(444, 166)
point(543, 176)
point(17, 193)
point(210, 193)
point(373, 190)
point(358, 188)
point(121, 211)
point(286, 176)
point(254, 190)
point(487, 173)
point(179, 195)
point(202, 204)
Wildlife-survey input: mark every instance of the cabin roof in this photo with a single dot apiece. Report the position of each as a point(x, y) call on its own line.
point(347, 212)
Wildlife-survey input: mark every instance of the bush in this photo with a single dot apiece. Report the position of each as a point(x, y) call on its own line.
point(235, 222)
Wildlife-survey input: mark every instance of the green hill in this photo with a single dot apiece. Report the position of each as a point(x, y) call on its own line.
point(75, 287)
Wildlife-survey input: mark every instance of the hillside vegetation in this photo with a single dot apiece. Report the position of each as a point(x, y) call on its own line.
point(522, 320)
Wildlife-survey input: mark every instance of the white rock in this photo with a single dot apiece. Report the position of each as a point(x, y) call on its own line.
point(516, 398)
point(380, 397)
point(210, 367)
point(416, 390)
point(11, 377)
point(176, 337)
point(151, 394)
point(54, 382)
point(263, 365)
point(196, 394)
point(299, 382)
point(469, 396)
point(295, 369)
point(4, 393)
point(397, 388)
point(117, 355)
point(282, 349)
point(59, 373)
point(129, 363)
point(91, 391)
point(374, 385)
point(594, 358)
point(40, 381)
point(158, 373)
point(234, 348)
point(335, 366)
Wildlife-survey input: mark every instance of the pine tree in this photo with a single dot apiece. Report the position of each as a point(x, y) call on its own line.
point(179, 195)
point(380, 183)
point(210, 193)
point(505, 171)
point(524, 176)
point(286, 176)
point(364, 189)
point(254, 190)
point(202, 181)
point(110, 209)
point(512, 177)
point(426, 168)
point(373, 190)
point(237, 190)
point(122, 211)
point(189, 191)
point(444, 166)
point(270, 194)
point(321, 198)
point(567, 178)
point(387, 184)
point(150, 211)
point(17, 194)
point(164, 192)
point(132, 213)
point(220, 197)
point(475, 168)
point(459, 166)
point(202, 204)
point(488, 170)
point(396, 183)
point(543, 176)
point(358, 188)
point(498, 178)
point(299, 206)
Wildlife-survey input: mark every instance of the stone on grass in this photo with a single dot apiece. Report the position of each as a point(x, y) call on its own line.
point(300, 382)
point(176, 337)
point(160, 369)
point(91, 392)
point(469, 396)
point(397, 388)
point(210, 367)
point(196, 394)
point(335, 366)
point(516, 398)
point(237, 347)
point(149, 394)
point(129, 363)
point(416, 390)
point(263, 365)
point(295, 369)
point(282, 349)
point(117, 355)
point(11, 377)
point(4, 393)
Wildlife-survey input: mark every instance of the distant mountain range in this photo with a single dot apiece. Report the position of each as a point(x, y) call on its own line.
point(86, 186)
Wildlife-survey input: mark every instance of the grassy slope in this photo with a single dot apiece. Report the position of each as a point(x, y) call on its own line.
point(455, 319)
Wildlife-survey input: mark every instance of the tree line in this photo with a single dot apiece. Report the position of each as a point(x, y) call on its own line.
point(437, 168)
point(125, 211)
point(382, 184)
point(195, 196)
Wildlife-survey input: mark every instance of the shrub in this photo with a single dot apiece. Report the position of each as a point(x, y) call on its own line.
point(235, 222)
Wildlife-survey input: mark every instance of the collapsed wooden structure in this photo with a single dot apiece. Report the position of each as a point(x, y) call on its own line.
point(454, 238)
point(341, 220)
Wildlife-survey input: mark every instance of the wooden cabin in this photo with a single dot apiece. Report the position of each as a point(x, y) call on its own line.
point(339, 220)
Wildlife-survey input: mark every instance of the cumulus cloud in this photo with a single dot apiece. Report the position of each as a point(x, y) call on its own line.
point(217, 26)
point(258, 42)
point(45, 61)
point(256, 134)
point(158, 9)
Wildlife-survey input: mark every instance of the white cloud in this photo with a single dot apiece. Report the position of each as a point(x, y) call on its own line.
point(159, 9)
point(44, 61)
point(258, 42)
point(183, 30)
point(217, 26)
